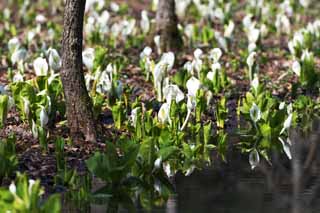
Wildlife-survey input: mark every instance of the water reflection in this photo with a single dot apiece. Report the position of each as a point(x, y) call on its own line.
point(286, 186)
point(283, 187)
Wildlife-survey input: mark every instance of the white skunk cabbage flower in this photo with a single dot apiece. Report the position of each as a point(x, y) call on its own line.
point(221, 41)
point(31, 184)
point(255, 113)
point(307, 56)
point(247, 21)
point(287, 123)
point(41, 19)
point(215, 54)
point(253, 35)
point(229, 29)
point(305, 3)
point(188, 66)
point(282, 105)
point(13, 44)
point(26, 106)
point(90, 3)
point(40, 66)
point(88, 58)
point(193, 85)
point(172, 92)
point(13, 188)
point(104, 84)
point(134, 116)
point(54, 59)
point(167, 169)
point(252, 47)
point(154, 5)
point(296, 68)
point(198, 53)
point(114, 7)
point(255, 83)
point(164, 113)
point(102, 21)
point(254, 158)
point(168, 59)
point(190, 171)
point(197, 61)
point(251, 59)
point(213, 74)
point(181, 7)
point(283, 24)
point(128, 27)
point(34, 130)
point(156, 40)
point(157, 163)
point(44, 119)
point(146, 53)
point(19, 55)
point(286, 147)
point(145, 22)
point(191, 105)
point(189, 31)
point(17, 78)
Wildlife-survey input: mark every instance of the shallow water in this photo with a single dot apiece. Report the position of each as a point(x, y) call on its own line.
point(285, 187)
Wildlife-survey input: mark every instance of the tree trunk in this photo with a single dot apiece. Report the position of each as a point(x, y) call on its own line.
point(78, 103)
point(167, 26)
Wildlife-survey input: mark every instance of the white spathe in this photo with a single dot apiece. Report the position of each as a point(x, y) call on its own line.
point(193, 85)
point(88, 58)
point(40, 66)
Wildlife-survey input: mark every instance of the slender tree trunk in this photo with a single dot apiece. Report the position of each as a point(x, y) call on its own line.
point(78, 103)
point(167, 28)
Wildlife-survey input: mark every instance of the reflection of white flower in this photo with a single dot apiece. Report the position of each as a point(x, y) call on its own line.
point(286, 147)
point(287, 123)
point(40, 66)
point(255, 113)
point(254, 158)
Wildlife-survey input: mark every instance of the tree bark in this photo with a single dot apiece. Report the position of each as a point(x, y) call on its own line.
point(78, 103)
point(167, 26)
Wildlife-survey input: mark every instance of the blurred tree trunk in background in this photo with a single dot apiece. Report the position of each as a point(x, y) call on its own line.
point(167, 26)
point(78, 103)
